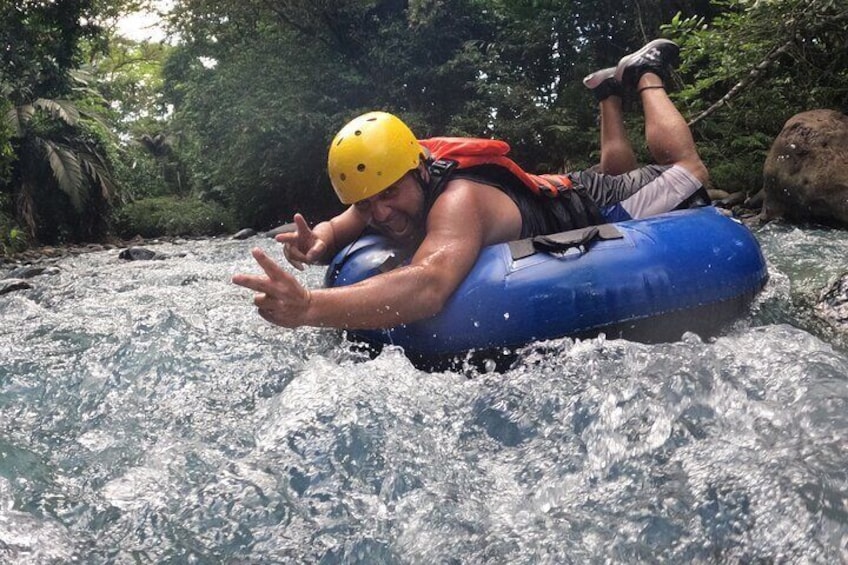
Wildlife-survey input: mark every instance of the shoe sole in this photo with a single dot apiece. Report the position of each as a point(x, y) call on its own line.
point(659, 44)
point(597, 78)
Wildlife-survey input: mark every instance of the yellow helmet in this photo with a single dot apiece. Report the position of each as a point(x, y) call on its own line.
point(369, 154)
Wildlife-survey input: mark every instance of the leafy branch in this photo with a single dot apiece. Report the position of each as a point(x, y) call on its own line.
point(756, 73)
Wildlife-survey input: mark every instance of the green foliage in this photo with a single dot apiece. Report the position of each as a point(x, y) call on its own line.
point(41, 43)
point(259, 105)
point(7, 154)
point(12, 238)
point(53, 163)
point(172, 216)
point(260, 88)
point(138, 173)
point(148, 160)
point(752, 68)
point(128, 75)
point(241, 111)
point(61, 179)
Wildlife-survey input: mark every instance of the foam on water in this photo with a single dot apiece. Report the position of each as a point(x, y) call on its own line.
point(148, 414)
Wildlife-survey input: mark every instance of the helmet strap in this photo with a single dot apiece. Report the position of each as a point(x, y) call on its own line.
point(438, 172)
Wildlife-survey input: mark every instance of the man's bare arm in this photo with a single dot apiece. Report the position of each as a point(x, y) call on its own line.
point(459, 225)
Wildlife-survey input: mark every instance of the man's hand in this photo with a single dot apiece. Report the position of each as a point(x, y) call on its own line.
point(302, 246)
point(280, 298)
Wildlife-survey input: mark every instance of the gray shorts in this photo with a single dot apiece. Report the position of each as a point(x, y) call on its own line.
point(642, 192)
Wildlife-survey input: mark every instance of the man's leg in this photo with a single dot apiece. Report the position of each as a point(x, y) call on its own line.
point(668, 136)
point(679, 173)
point(666, 132)
point(617, 154)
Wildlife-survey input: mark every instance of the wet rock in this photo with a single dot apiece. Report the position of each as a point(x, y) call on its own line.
point(755, 202)
point(138, 254)
point(716, 194)
point(833, 304)
point(805, 176)
point(189, 280)
point(244, 234)
point(285, 228)
point(12, 285)
point(27, 272)
point(732, 200)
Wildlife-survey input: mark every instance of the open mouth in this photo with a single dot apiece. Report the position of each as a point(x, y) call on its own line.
point(396, 226)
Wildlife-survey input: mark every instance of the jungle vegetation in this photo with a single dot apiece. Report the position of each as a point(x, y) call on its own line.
point(226, 123)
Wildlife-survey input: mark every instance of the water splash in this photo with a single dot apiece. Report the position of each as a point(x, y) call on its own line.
point(149, 415)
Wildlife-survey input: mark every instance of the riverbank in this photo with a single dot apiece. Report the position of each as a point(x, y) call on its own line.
point(52, 253)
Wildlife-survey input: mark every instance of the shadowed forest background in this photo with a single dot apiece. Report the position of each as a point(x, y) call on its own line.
point(226, 124)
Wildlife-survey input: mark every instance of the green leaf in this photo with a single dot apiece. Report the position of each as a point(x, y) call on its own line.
point(67, 172)
point(97, 171)
point(64, 110)
point(18, 116)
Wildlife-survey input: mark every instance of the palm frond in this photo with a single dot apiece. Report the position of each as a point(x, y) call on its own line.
point(83, 81)
point(67, 172)
point(98, 172)
point(64, 110)
point(18, 116)
point(159, 145)
point(82, 76)
point(26, 207)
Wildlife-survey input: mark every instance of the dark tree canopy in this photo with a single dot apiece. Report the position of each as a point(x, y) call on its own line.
point(261, 86)
point(241, 107)
point(56, 182)
point(41, 42)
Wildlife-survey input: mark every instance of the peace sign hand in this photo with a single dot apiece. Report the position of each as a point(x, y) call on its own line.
point(302, 245)
point(280, 298)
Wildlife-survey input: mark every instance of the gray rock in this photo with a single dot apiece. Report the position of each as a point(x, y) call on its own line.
point(732, 200)
point(12, 285)
point(244, 234)
point(285, 228)
point(833, 304)
point(138, 254)
point(27, 272)
point(804, 176)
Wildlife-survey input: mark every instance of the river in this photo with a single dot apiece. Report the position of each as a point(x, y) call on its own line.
point(148, 415)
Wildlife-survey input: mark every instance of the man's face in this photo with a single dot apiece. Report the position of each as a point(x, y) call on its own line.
point(397, 212)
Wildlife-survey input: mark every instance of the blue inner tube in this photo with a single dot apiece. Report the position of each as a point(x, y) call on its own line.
point(648, 280)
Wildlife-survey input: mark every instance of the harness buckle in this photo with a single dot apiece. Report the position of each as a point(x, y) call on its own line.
point(441, 167)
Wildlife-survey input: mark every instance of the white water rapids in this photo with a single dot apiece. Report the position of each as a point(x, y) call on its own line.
point(147, 414)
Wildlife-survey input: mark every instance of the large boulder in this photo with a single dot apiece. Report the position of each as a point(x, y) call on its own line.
point(805, 176)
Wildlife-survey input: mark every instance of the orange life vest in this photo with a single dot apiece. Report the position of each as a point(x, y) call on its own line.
point(471, 152)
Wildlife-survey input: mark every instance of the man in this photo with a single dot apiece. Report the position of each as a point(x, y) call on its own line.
point(447, 216)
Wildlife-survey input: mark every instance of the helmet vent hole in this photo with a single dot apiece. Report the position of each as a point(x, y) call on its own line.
point(360, 167)
point(343, 176)
point(358, 132)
